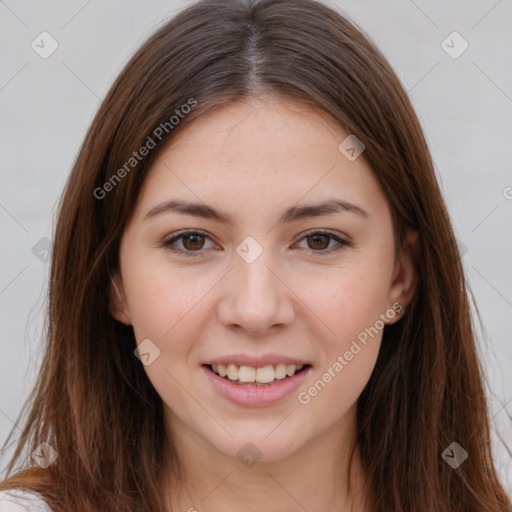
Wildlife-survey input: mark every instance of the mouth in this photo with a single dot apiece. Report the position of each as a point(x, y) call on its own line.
point(263, 386)
point(264, 376)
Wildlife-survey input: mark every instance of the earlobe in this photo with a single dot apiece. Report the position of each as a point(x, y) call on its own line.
point(117, 305)
point(405, 275)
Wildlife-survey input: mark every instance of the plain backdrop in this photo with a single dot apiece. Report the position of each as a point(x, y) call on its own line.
point(464, 103)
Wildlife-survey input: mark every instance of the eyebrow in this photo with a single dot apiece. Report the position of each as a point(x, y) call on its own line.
point(291, 214)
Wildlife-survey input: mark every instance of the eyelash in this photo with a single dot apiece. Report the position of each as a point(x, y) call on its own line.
point(182, 252)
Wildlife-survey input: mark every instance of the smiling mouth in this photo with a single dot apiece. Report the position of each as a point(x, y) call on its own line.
point(256, 377)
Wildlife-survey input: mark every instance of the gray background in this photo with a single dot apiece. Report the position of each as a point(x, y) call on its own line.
point(464, 103)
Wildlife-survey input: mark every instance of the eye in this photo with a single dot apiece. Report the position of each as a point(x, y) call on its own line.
point(321, 239)
point(194, 241)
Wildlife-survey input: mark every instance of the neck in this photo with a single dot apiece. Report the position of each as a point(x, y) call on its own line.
point(313, 477)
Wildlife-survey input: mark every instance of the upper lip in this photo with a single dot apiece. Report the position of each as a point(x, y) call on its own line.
point(256, 361)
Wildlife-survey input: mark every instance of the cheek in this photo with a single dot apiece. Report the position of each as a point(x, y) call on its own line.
point(166, 308)
point(337, 386)
point(164, 302)
point(349, 301)
point(351, 306)
point(170, 307)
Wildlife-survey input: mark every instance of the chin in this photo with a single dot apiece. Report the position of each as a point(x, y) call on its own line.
point(257, 443)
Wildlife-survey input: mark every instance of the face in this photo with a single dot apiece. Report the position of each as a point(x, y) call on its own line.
point(258, 277)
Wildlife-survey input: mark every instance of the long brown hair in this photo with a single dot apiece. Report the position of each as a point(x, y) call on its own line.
point(93, 402)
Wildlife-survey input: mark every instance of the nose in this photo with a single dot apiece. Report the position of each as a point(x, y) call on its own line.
point(255, 297)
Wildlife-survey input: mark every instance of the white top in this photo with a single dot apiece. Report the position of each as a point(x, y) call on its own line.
point(19, 500)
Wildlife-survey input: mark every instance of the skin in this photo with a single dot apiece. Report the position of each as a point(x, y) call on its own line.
point(254, 159)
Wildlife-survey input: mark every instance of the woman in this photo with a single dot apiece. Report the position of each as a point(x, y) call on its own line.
point(256, 295)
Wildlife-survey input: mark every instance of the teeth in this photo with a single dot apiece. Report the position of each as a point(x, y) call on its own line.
point(262, 375)
point(244, 374)
point(290, 369)
point(281, 371)
point(265, 374)
point(232, 372)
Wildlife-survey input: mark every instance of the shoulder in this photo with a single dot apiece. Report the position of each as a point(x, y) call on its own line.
point(19, 500)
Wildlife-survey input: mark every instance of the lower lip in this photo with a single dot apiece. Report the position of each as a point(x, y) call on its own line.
point(254, 396)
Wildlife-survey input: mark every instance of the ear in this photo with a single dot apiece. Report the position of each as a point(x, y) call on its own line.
point(117, 304)
point(405, 276)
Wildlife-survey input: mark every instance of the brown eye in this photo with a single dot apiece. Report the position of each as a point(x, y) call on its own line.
point(320, 242)
point(193, 242)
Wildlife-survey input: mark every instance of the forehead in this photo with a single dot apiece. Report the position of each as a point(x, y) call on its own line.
point(272, 128)
point(258, 154)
